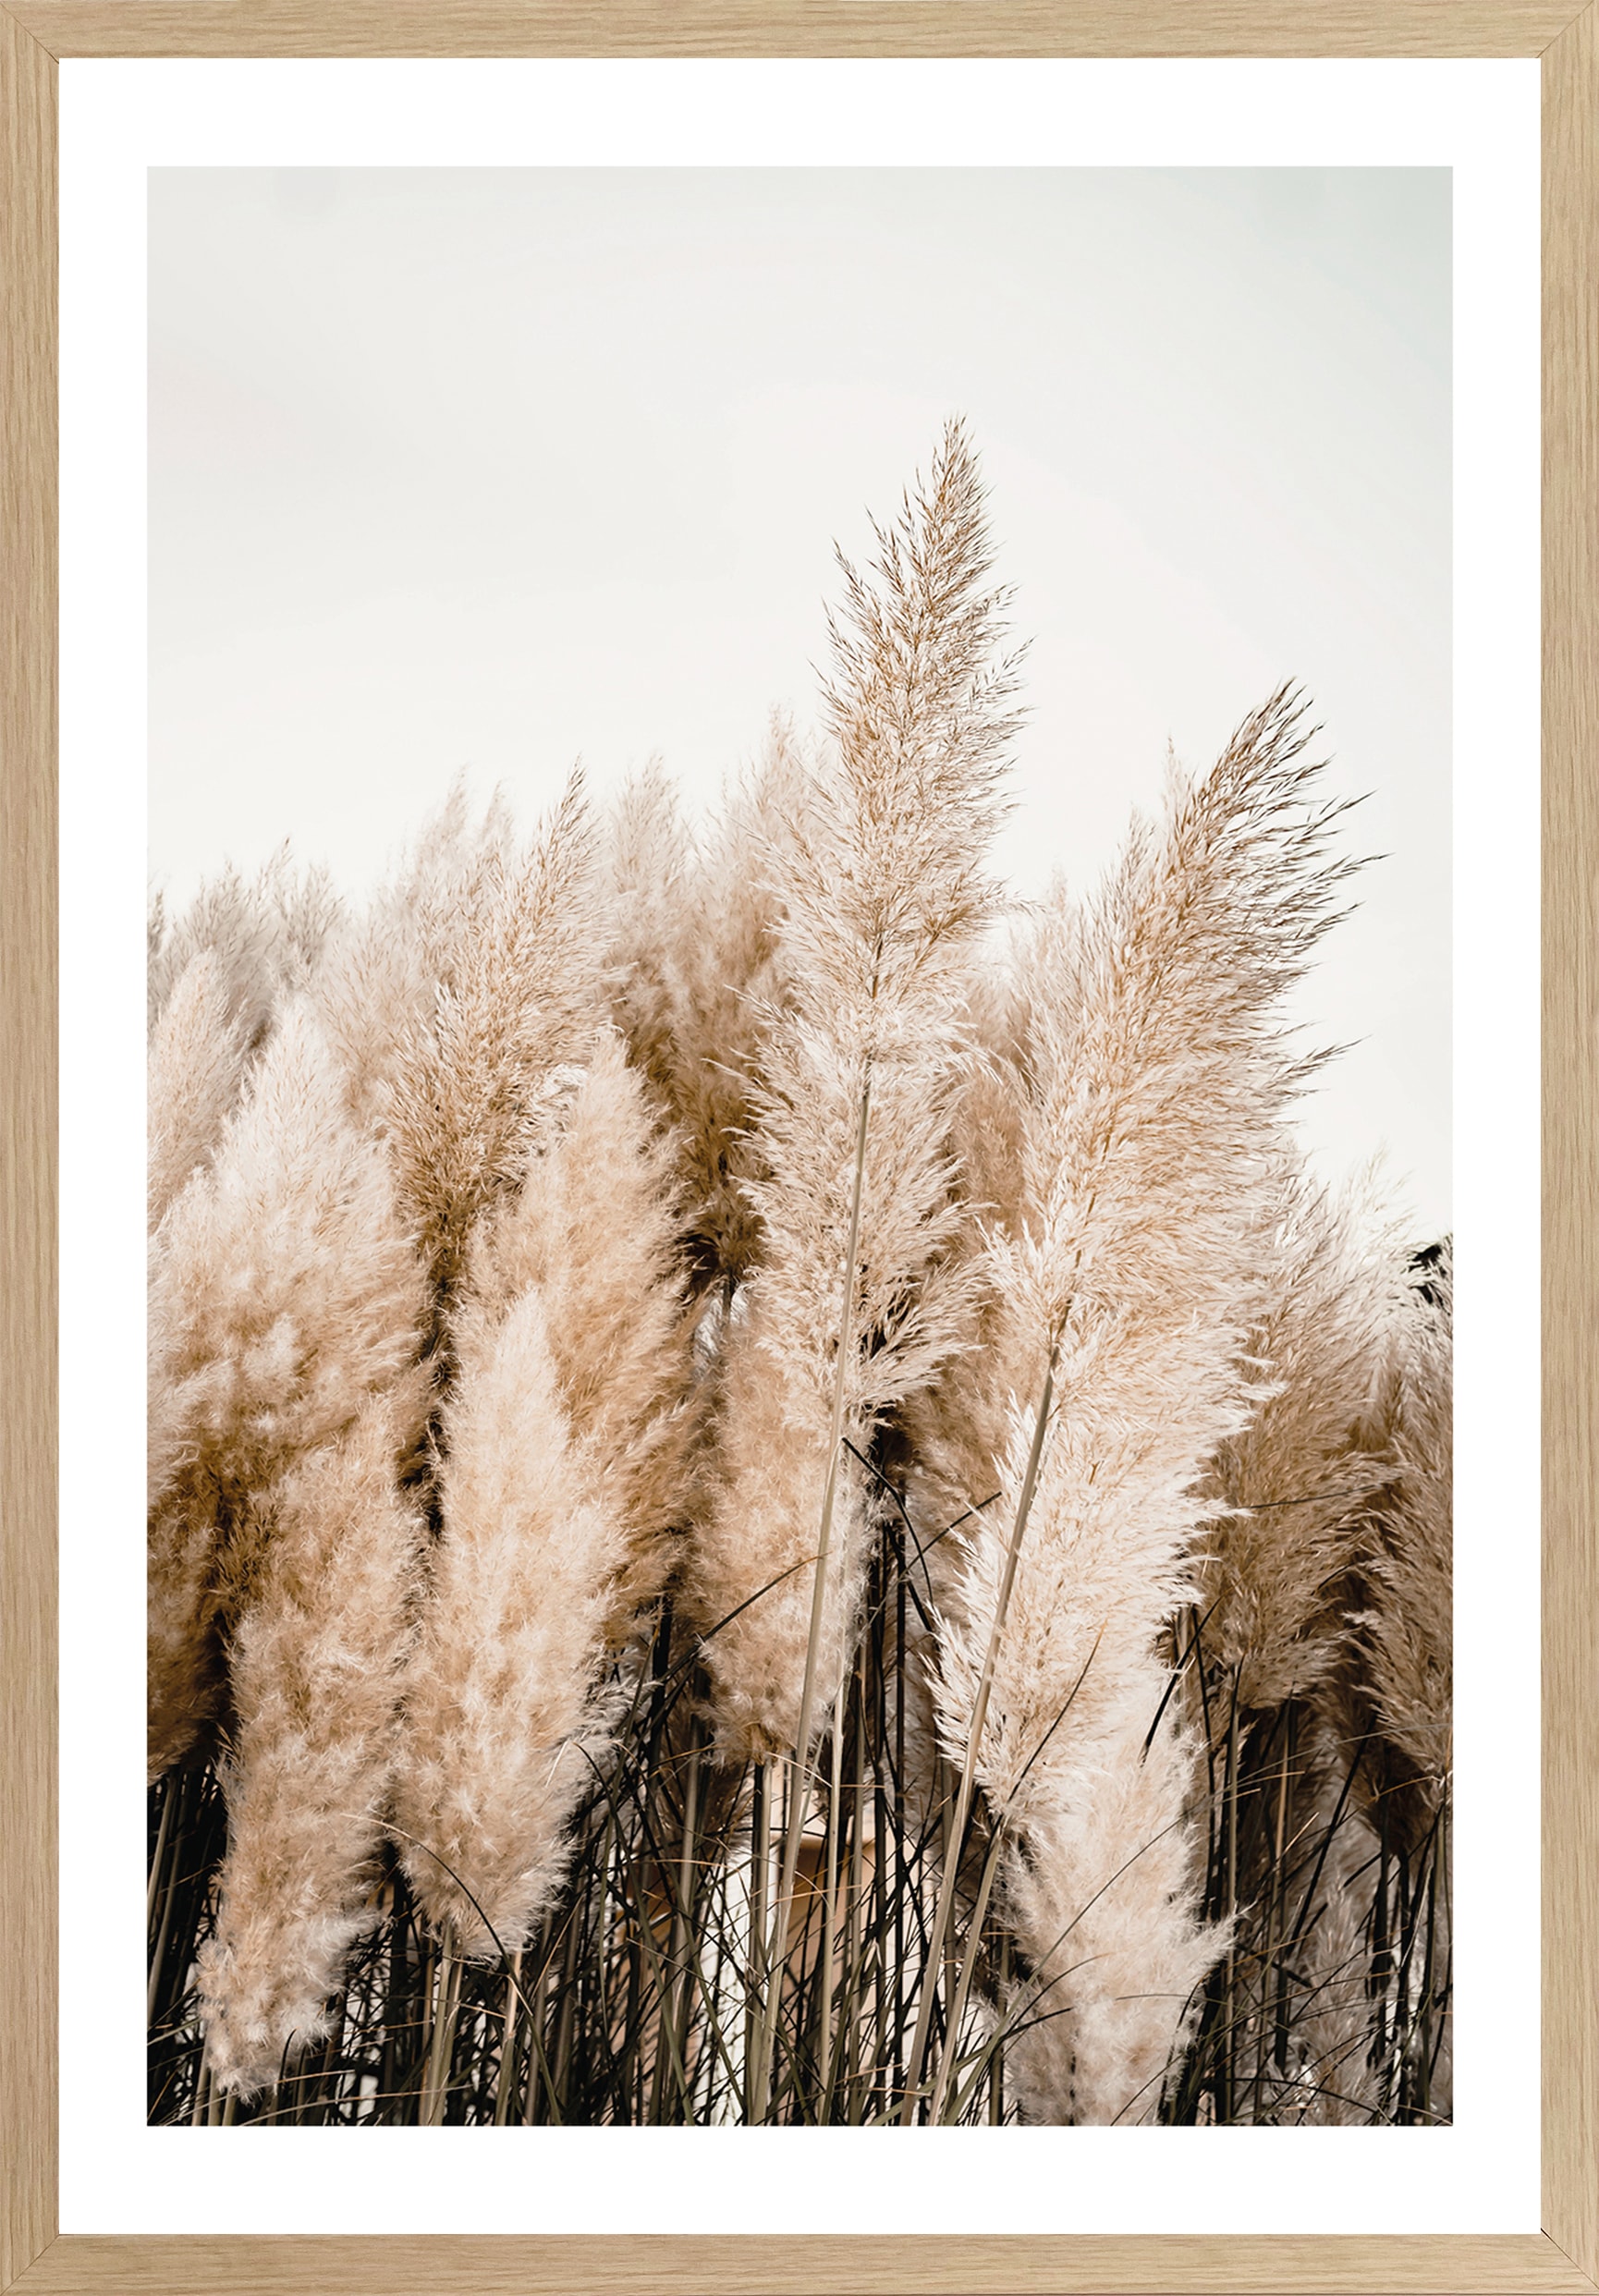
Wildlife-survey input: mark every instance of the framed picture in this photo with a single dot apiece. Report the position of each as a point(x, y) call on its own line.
point(798, 1473)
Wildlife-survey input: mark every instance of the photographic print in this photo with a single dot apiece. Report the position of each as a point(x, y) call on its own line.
point(800, 1243)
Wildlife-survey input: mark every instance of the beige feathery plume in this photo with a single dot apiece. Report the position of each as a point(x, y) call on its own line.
point(883, 901)
point(563, 1474)
point(157, 924)
point(307, 912)
point(372, 993)
point(283, 1294)
point(1375, 1972)
point(1103, 1902)
point(594, 1229)
point(232, 921)
point(197, 1055)
point(649, 861)
point(989, 1130)
point(315, 1668)
point(504, 1698)
point(265, 936)
point(1405, 1637)
point(695, 945)
point(1157, 1080)
point(375, 986)
point(951, 1428)
point(518, 992)
point(1294, 1489)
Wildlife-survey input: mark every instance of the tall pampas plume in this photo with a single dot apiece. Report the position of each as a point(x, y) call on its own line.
point(1405, 1635)
point(594, 1229)
point(265, 936)
point(1385, 1711)
point(649, 861)
point(1156, 1080)
point(1295, 1488)
point(696, 949)
point(283, 1294)
point(231, 921)
point(883, 901)
point(314, 1668)
point(563, 1474)
point(504, 1696)
point(375, 992)
point(383, 964)
point(515, 942)
point(196, 1067)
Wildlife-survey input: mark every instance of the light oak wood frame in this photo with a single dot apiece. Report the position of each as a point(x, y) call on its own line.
point(34, 35)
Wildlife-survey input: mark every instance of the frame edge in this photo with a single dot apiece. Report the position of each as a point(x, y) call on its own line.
point(1566, 2257)
point(28, 961)
point(1570, 1103)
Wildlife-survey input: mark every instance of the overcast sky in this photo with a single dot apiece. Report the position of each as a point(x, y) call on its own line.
point(503, 468)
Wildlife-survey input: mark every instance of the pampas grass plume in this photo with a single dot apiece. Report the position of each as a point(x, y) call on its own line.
point(503, 1694)
point(883, 901)
point(197, 1054)
point(1155, 1083)
point(283, 1294)
point(518, 991)
point(314, 1668)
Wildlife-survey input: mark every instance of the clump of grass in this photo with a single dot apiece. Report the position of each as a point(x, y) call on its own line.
point(763, 1512)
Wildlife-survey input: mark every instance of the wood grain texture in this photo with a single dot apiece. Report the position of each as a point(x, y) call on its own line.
point(1571, 1139)
point(820, 28)
point(828, 2267)
point(28, 1129)
point(804, 2268)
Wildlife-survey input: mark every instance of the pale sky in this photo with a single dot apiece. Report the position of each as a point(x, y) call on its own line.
point(497, 469)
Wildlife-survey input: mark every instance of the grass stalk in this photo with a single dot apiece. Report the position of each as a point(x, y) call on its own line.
point(974, 1736)
point(799, 1796)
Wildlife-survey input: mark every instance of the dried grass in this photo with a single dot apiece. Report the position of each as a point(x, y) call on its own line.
point(762, 1510)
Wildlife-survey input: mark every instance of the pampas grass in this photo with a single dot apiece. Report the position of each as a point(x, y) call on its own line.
point(561, 1479)
point(767, 1506)
point(1295, 1487)
point(697, 960)
point(503, 1702)
point(884, 899)
point(1405, 1637)
point(283, 1294)
point(314, 1670)
point(197, 1057)
point(1154, 1083)
point(595, 1229)
point(509, 940)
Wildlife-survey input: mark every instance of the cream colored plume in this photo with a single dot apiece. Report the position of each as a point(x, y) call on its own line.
point(314, 1666)
point(1154, 1081)
point(504, 1699)
point(265, 936)
point(283, 1294)
point(1405, 1637)
point(696, 949)
point(883, 901)
point(383, 967)
point(1104, 1905)
point(563, 1477)
point(196, 1067)
point(1296, 1487)
point(594, 1229)
point(513, 945)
